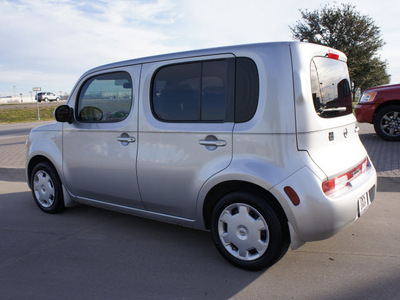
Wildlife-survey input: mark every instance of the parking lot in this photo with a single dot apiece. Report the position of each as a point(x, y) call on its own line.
point(89, 253)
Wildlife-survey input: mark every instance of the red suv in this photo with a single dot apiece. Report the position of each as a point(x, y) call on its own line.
point(381, 106)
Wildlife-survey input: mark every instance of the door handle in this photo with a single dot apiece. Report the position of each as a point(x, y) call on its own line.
point(217, 143)
point(126, 139)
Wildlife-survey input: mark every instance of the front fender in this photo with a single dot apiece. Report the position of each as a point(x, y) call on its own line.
point(45, 142)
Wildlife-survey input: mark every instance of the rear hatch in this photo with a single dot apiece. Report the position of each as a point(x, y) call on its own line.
point(326, 127)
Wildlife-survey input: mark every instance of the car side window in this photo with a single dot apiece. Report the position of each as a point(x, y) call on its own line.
point(246, 89)
point(194, 92)
point(105, 98)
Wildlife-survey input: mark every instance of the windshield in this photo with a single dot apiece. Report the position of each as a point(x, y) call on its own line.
point(330, 87)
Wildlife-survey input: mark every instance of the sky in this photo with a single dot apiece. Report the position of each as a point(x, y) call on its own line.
point(51, 43)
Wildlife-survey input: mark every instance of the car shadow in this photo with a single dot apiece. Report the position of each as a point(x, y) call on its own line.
point(384, 154)
point(102, 254)
point(389, 184)
point(12, 174)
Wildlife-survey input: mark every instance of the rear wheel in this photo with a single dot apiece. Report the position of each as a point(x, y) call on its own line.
point(46, 188)
point(248, 232)
point(387, 123)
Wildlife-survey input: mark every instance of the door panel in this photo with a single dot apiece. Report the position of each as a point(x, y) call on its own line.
point(173, 166)
point(182, 142)
point(100, 147)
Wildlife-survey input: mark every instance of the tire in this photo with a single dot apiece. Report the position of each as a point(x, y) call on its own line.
point(248, 232)
point(45, 100)
point(387, 123)
point(46, 188)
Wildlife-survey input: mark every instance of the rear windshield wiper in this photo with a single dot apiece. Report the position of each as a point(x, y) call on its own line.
point(323, 110)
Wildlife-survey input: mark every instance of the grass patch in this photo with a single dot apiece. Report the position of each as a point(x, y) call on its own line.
point(22, 114)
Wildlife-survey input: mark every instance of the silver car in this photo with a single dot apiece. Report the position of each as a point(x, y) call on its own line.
point(256, 143)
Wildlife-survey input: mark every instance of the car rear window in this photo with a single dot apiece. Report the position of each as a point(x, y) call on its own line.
point(330, 87)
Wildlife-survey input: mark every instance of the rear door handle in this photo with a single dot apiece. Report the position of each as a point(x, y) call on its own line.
point(126, 139)
point(217, 143)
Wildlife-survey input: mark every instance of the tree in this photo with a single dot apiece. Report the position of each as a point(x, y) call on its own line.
point(345, 29)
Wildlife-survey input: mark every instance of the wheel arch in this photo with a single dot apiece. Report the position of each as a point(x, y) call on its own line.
point(224, 188)
point(383, 105)
point(33, 162)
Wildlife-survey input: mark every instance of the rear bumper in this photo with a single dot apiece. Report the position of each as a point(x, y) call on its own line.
point(365, 112)
point(318, 216)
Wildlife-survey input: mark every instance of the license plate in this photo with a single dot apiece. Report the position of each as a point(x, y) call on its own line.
point(363, 204)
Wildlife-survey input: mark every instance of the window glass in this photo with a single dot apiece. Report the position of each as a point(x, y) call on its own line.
point(192, 92)
point(105, 98)
point(330, 87)
point(214, 91)
point(176, 92)
point(247, 89)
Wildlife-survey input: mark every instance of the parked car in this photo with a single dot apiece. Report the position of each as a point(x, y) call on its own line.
point(250, 142)
point(381, 106)
point(46, 96)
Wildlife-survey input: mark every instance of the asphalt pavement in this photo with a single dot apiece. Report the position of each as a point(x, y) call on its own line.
point(89, 253)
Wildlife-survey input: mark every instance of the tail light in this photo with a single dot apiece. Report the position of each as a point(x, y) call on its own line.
point(339, 182)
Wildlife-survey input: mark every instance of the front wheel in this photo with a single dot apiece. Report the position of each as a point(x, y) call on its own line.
point(248, 231)
point(46, 188)
point(387, 123)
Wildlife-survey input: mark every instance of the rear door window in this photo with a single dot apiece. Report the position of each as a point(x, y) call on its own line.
point(194, 92)
point(223, 90)
point(330, 87)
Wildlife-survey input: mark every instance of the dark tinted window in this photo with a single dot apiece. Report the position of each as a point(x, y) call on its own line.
point(105, 98)
point(205, 91)
point(193, 92)
point(176, 92)
point(214, 91)
point(247, 89)
point(330, 87)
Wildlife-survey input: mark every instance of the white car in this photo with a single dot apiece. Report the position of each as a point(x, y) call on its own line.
point(47, 96)
point(256, 143)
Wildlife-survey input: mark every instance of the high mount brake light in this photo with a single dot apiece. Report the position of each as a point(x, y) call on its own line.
point(333, 55)
point(339, 182)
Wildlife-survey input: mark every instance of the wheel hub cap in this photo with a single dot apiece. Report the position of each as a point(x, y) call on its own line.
point(390, 123)
point(43, 188)
point(243, 231)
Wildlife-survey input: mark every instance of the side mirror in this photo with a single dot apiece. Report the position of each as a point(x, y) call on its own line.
point(64, 113)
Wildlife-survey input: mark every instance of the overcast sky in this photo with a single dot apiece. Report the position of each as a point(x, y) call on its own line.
point(49, 43)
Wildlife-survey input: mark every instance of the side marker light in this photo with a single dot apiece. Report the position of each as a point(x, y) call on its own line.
point(292, 195)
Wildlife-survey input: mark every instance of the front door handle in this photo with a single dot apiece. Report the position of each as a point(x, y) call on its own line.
point(125, 139)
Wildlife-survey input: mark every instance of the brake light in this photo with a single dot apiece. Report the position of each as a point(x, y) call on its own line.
point(333, 55)
point(339, 182)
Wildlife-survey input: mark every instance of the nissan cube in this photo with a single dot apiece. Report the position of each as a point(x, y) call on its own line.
point(255, 143)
